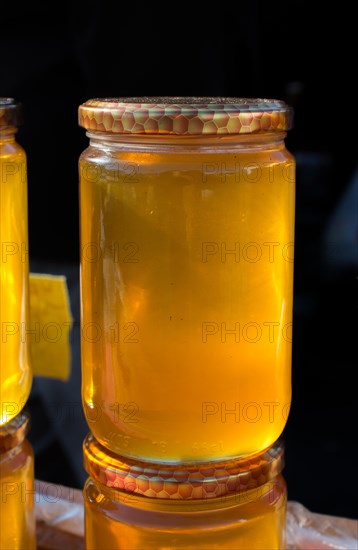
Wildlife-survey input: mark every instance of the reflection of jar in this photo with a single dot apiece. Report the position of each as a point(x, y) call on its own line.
point(17, 516)
point(187, 220)
point(15, 370)
point(134, 505)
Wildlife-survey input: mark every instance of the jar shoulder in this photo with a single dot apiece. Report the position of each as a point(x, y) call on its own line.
point(11, 150)
point(264, 156)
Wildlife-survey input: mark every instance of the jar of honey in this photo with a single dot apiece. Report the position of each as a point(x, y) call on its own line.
point(15, 369)
point(17, 514)
point(132, 505)
point(187, 228)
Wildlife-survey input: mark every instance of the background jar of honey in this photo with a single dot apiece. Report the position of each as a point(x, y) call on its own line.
point(15, 369)
point(233, 504)
point(187, 228)
point(17, 514)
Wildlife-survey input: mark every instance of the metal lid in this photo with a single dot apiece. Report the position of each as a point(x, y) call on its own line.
point(181, 482)
point(14, 433)
point(190, 116)
point(10, 112)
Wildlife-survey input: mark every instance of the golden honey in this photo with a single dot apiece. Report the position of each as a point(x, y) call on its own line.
point(17, 515)
point(131, 506)
point(187, 229)
point(15, 371)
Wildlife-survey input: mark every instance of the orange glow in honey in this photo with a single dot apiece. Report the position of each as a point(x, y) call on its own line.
point(187, 272)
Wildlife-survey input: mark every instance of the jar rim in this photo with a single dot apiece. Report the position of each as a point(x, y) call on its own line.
point(188, 481)
point(208, 116)
point(10, 112)
point(14, 433)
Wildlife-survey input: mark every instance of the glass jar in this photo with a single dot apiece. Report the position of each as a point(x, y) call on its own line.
point(187, 228)
point(15, 370)
point(17, 514)
point(131, 505)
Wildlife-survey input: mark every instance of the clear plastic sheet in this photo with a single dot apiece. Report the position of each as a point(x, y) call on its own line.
point(59, 515)
point(306, 530)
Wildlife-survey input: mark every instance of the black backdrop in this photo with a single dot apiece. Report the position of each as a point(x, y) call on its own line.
point(54, 57)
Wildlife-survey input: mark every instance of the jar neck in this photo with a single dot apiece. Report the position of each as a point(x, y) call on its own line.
point(7, 134)
point(188, 144)
point(267, 493)
point(14, 433)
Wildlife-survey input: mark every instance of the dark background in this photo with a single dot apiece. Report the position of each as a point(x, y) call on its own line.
point(54, 57)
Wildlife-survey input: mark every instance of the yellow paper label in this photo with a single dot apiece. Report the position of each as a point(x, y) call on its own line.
point(51, 322)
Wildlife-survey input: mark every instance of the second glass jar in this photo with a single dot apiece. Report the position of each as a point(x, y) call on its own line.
point(187, 221)
point(15, 364)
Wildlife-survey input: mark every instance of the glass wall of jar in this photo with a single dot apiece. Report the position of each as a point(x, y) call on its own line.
point(15, 370)
point(17, 514)
point(187, 228)
point(132, 505)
